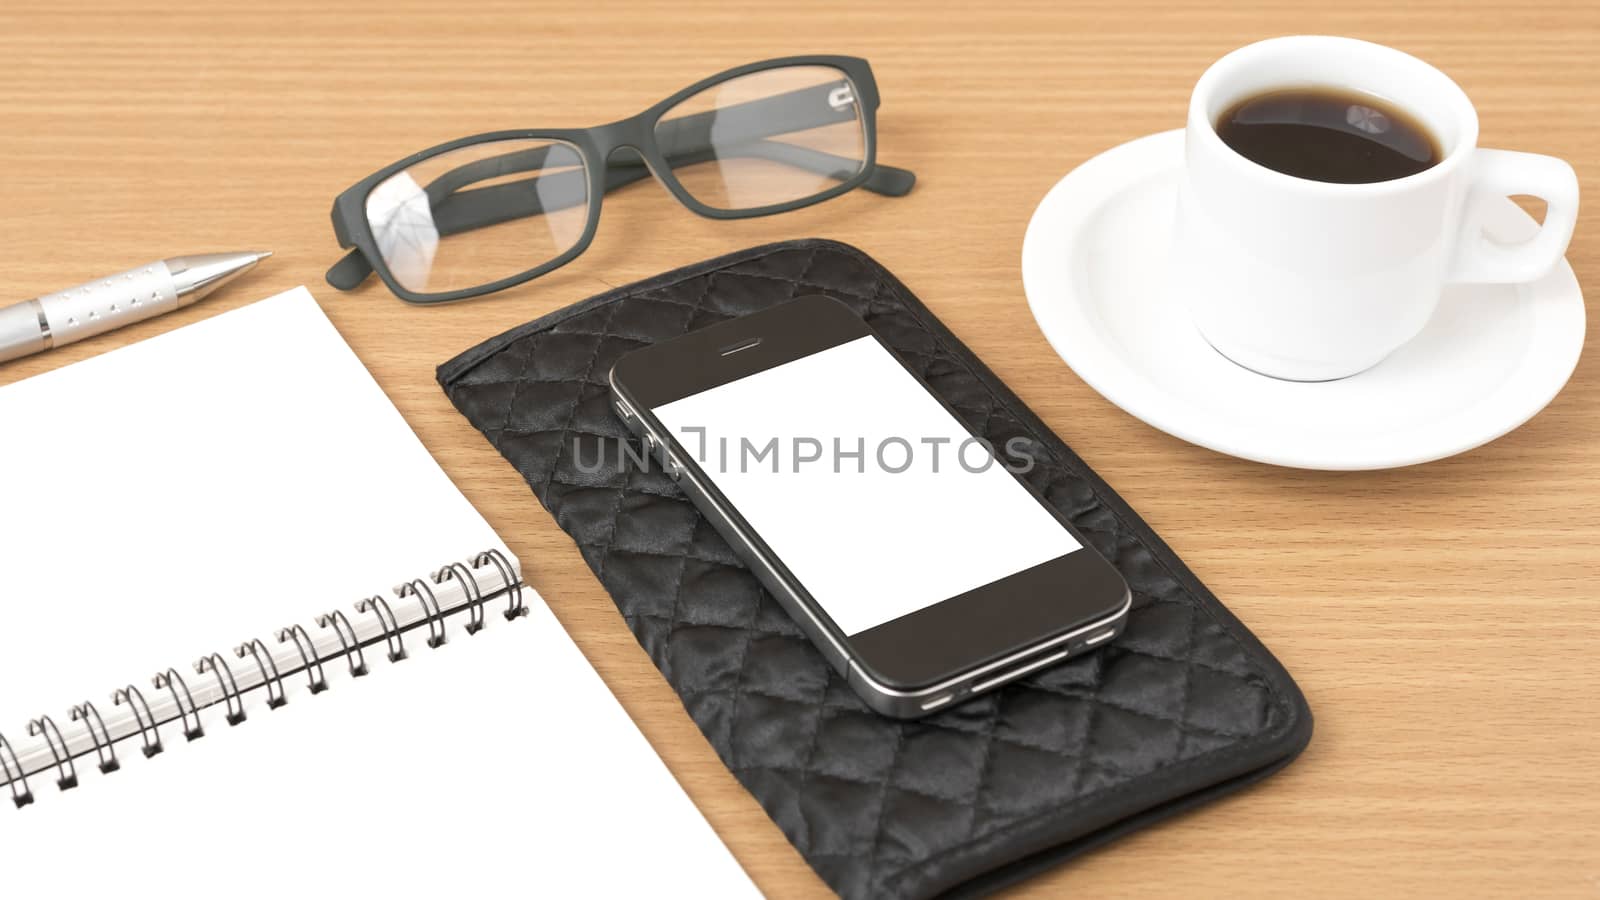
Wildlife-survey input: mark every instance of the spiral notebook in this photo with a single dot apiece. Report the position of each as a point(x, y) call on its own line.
point(253, 640)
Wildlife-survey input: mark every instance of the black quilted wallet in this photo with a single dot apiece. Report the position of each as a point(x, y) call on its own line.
point(1185, 706)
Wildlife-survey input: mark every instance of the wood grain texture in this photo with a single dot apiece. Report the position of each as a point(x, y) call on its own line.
point(1443, 620)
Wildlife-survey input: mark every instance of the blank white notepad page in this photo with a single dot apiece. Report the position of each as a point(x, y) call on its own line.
point(181, 495)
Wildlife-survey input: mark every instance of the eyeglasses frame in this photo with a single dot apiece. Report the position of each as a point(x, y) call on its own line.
point(596, 146)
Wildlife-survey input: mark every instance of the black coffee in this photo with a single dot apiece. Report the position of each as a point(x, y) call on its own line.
point(1328, 134)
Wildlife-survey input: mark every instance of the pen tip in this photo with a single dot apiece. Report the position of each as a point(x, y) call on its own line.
point(262, 254)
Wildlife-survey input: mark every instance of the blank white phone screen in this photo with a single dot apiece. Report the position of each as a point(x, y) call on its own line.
point(872, 494)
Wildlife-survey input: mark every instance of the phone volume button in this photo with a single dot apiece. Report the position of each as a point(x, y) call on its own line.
point(669, 463)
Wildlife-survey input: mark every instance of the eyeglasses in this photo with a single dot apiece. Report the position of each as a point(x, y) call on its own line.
point(484, 213)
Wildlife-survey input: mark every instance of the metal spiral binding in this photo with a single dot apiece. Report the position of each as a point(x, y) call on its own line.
point(104, 749)
point(507, 576)
point(469, 584)
point(171, 681)
point(134, 700)
point(137, 717)
point(226, 683)
point(430, 605)
point(45, 727)
point(391, 626)
point(15, 776)
point(351, 645)
point(264, 662)
point(308, 655)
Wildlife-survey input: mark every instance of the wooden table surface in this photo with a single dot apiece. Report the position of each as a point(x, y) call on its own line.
point(1441, 619)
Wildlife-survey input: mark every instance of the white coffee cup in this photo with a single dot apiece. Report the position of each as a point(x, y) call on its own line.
point(1311, 281)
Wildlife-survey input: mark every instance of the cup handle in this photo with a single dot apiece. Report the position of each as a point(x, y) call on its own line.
point(1501, 173)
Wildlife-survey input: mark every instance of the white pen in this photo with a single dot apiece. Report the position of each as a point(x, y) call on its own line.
point(98, 306)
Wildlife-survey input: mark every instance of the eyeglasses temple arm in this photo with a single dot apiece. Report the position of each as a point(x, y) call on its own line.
point(455, 211)
point(483, 207)
point(686, 140)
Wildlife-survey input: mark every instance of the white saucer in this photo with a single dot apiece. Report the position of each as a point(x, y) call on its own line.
point(1094, 267)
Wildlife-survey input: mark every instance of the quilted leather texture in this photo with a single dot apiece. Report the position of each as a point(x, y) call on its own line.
point(1184, 706)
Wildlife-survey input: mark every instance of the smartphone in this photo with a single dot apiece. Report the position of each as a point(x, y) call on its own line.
point(909, 551)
